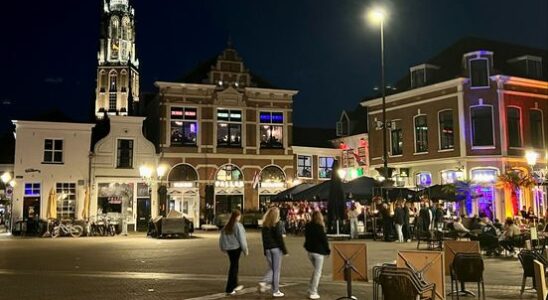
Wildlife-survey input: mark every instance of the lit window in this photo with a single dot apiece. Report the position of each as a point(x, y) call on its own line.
point(396, 138)
point(514, 126)
point(421, 134)
point(184, 127)
point(271, 134)
point(53, 151)
point(66, 200)
point(479, 72)
point(125, 154)
point(229, 124)
point(447, 134)
point(482, 126)
point(32, 189)
point(536, 125)
point(325, 167)
point(304, 166)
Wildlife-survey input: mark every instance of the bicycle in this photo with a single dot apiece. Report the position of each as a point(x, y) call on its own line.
point(66, 229)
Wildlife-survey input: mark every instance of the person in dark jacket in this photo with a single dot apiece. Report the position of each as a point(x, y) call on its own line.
point(425, 216)
point(274, 248)
point(406, 217)
point(317, 246)
point(438, 217)
point(399, 216)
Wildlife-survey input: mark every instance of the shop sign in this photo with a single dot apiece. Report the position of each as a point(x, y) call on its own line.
point(272, 184)
point(423, 179)
point(484, 175)
point(183, 184)
point(229, 184)
point(451, 176)
point(115, 200)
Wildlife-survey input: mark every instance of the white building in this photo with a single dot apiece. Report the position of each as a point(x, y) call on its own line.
point(117, 187)
point(50, 155)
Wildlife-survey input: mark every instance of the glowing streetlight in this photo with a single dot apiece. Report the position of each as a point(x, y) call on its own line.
point(531, 157)
point(376, 15)
point(6, 177)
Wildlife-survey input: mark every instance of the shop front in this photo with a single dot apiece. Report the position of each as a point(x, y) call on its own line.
point(483, 188)
point(229, 189)
point(183, 193)
point(115, 201)
point(272, 180)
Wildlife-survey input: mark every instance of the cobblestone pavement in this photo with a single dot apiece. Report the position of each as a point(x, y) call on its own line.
point(136, 267)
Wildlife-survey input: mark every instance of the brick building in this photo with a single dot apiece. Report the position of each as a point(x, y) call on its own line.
point(469, 113)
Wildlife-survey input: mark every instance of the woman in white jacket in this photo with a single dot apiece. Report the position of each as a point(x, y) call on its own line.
point(233, 242)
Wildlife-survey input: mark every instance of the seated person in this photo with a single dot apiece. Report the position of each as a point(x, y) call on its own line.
point(459, 228)
point(498, 225)
point(511, 232)
point(488, 237)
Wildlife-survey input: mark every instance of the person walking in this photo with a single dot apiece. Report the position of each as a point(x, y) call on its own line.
point(317, 246)
point(406, 217)
point(233, 242)
point(399, 220)
point(274, 248)
point(353, 214)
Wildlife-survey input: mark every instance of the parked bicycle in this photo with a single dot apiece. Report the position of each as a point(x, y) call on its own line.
point(67, 229)
point(102, 226)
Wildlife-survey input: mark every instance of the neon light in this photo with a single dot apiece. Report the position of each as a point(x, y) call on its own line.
point(222, 115)
point(236, 116)
point(193, 127)
point(176, 113)
point(190, 113)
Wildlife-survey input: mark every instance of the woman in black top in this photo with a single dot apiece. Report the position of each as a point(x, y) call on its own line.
point(317, 246)
point(274, 248)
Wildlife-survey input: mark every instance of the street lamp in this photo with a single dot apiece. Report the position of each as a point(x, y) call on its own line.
point(146, 173)
point(377, 16)
point(531, 157)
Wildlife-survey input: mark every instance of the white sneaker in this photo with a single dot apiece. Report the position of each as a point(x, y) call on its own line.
point(314, 296)
point(238, 288)
point(264, 287)
point(231, 293)
point(278, 294)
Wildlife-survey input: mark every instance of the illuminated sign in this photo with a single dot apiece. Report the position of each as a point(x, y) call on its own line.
point(229, 184)
point(451, 176)
point(183, 184)
point(423, 179)
point(272, 184)
point(484, 175)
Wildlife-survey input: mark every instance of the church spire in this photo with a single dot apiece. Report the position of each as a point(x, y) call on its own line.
point(117, 89)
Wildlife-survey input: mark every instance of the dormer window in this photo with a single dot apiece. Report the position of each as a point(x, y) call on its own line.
point(422, 75)
point(528, 65)
point(478, 65)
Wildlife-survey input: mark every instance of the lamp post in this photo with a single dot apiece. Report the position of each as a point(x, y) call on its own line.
point(147, 176)
point(378, 16)
point(8, 181)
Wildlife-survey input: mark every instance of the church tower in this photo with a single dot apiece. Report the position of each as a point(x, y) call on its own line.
point(117, 91)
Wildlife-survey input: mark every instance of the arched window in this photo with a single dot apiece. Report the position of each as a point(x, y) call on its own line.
point(113, 85)
point(536, 125)
point(446, 131)
point(114, 28)
point(182, 173)
point(125, 29)
point(103, 81)
point(421, 134)
point(123, 81)
point(513, 119)
point(229, 173)
point(272, 174)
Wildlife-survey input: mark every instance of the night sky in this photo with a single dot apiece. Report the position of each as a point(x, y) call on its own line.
point(325, 49)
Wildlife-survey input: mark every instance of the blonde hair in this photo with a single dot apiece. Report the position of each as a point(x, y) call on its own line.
point(317, 218)
point(271, 217)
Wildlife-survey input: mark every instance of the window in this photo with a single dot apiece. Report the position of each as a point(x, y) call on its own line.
point(112, 102)
point(103, 82)
point(53, 151)
point(421, 134)
point(418, 77)
point(534, 67)
point(447, 134)
point(304, 166)
point(514, 127)
point(229, 124)
point(32, 189)
point(482, 126)
point(479, 72)
point(125, 154)
point(536, 124)
point(184, 129)
point(396, 138)
point(325, 167)
point(66, 200)
point(271, 129)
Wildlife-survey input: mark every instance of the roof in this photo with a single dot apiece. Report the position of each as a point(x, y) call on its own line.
point(449, 60)
point(313, 137)
point(200, 74)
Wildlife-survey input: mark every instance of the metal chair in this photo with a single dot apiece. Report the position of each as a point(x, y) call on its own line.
point(468, 267)
point(400, 284)
point(526, 258)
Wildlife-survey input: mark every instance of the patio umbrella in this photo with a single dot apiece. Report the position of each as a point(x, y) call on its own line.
point(336, 205)
point(288, 194)
point(85, 211)
point(438, 192)
point(51, 212)
point(361, 187)
point(319, 192)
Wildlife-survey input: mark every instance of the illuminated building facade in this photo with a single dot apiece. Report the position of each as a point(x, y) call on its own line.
point(469, 113)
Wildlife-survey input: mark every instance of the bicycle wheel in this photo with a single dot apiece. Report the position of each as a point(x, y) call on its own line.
point(55, 232)
point(111, 230)
point(76, 231)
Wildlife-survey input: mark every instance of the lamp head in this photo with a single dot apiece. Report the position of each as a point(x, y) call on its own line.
point(6, 177)
point(161, 170)
point(531, 157)
point(376, 15)
point(145, 171)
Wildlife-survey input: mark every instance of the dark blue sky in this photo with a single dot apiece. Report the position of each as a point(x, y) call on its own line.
point(323, 48)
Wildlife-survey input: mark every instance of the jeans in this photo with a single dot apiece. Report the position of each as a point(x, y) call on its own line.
point(272, 276)
point(400, 232)
point(234, 257)
point(317, 261)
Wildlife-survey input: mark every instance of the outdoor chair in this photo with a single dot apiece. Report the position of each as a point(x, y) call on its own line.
point(376, 271)
point(414, 276)
point(526, 258)
point(425, 236)
point(398, 284)
point(540, 280)
point(467, 267)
